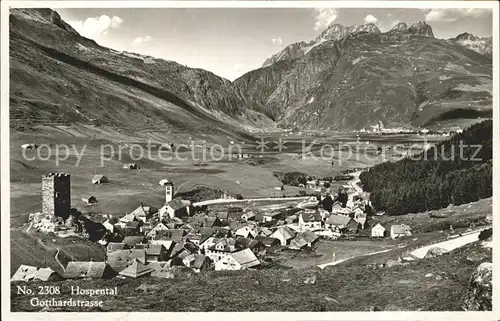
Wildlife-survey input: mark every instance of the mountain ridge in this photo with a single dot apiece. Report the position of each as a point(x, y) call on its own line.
point(346, 78)
point(401, 78)
point(70, 77)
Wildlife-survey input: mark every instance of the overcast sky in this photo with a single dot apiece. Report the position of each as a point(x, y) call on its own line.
point(230, 42)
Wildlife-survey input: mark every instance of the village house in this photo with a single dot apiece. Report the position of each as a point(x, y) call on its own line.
point(99, 179)
point(133, 228)
point(268, 242)
point(87, 270)
point(131, 166)
point(248, 216)
point(246, 231)
point(175, 208)
point(136, 269)
point(343, 224)
point(264, 231)
point(378, 230)
point(118, 260)
point(359, 211)
point(175, 235)
point(110, 227)
point(269, 217)
point(241, 260)
point(29, 146)
point(400, 231)
point(156, 253)
point(284, 235)
point(311, 184)
point(198, 262)
point(89, 200)
point(182, 250)
point(245, 243)
point(194, 238)
point(26, 273)
point(144, 212)
point(234, 213)
point(310, 219)
point(310, 237)
point(158, 227)
point(132, 241)
point(115, 246)
point(221, 249)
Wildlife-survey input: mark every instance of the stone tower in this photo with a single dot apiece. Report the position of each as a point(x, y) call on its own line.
point(56, 195)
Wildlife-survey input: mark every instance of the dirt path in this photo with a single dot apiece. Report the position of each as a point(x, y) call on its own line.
point(322, 266)
point(46, 247)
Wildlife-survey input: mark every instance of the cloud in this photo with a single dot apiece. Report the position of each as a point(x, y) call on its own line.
point(371, 19)
point(453, 14)
point(277, 41)
point(96, 28)
point(137, 41)
point(324, 17)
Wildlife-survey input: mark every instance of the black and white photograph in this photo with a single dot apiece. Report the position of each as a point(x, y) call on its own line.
point(249, 156)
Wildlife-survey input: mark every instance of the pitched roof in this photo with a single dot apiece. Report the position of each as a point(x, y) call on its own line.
point(285, 231)
point(399, 228)
point(85, 269)
point(339, 220)
point(267, 241)
point(133, 240)
point(246, 258)
point(98, 177)
point(298, 242)
point(265, 231)
point(175, 235)
point(311, 216)
point(196, 260)
point(136, 269)
point(244, 243)
point(119, 260)
point(44, 274)
point(144, 210)
point(228, 245)
point(154, 249)
point(133, 224)
point(178, 203)
point(309, 236)
point(378, 224)
point(113, 246)
point(24, 273)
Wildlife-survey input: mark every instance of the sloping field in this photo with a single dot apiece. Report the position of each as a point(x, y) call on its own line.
point(337, 288)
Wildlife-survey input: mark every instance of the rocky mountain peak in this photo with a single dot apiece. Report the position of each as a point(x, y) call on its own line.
point(400, 27)
point(421, 28)
point(467, 36)
point(337, 31)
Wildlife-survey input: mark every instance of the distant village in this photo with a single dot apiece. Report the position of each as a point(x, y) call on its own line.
point(184, 236)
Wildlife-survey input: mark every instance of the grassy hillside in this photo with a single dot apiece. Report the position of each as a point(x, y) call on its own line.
point(58, 77)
